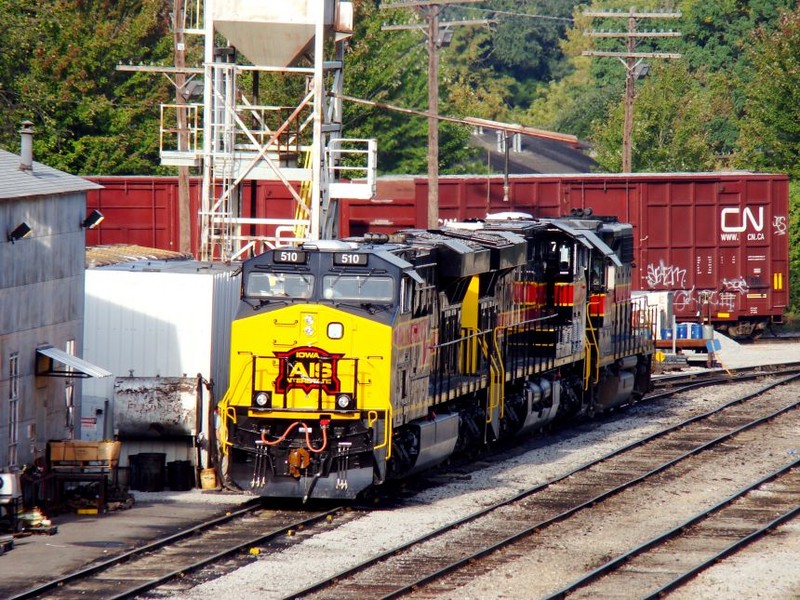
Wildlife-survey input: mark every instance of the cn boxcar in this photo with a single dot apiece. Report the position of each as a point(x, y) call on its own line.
point(719, 241)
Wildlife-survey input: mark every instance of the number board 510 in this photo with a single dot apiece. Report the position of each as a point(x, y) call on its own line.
point(352, 259)
point(297, 257)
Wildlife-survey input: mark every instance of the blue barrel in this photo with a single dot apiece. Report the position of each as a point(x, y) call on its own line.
point(696, 331)
point(666, 334)
point(682, 331)
point(147, 471)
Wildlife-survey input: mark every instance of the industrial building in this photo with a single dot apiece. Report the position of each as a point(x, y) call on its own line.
point(43, 220)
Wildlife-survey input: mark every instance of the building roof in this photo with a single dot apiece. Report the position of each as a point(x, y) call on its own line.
point(130, 255)
point(39, 181)
point(538, 155)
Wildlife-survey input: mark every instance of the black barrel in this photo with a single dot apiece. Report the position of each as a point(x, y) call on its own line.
point(147, 471)
point(180, 475)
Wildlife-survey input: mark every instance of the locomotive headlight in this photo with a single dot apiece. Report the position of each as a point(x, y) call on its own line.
point(344, 401)
point(261, 399)
point(309, 330)
point(335, 331)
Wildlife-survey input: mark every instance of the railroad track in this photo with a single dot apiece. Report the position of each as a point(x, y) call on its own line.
point(668, 385)
point(146, 568)
point(792, 338)
point(437, 563)
point(142, 569)
point(672, 558)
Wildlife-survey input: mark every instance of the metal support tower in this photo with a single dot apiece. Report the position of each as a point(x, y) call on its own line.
point(238, 139)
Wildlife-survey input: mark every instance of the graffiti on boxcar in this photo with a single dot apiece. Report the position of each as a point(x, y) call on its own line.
point(699, 300)
point(779, 225)
point(737, 285)
point(665, 275)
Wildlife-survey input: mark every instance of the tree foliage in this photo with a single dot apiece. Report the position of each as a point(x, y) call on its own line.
point(719, 106)
point(59, 72)
point(397, 75)
point(770, 125)
point(667, 135)
point(771, 121)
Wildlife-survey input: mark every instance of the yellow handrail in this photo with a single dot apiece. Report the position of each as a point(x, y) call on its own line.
point(302, 211)
point(590, 343)
point(387, 437)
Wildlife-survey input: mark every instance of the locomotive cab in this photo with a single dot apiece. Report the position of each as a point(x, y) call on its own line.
point(307, 406)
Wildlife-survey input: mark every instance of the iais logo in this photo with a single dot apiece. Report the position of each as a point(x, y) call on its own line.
point(308, 368)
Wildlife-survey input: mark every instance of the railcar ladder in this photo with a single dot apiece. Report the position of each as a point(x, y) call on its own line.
point(592, 353)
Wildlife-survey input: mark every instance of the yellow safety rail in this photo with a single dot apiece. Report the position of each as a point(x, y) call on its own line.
point(229, 413)
point(496, 377)
point(302, 211)
point(592, 349)
point(372, 416)
point(498, 373)
point(226, 410)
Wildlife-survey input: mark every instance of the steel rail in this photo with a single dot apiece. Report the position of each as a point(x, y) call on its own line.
point(162, 543)
point(351, 571)
point(761, 532)
point(617, 562)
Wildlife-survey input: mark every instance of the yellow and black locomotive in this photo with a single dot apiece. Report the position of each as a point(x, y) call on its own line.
point(354, 361)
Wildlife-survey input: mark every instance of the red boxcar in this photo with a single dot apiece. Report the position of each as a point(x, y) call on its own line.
point(719, 241)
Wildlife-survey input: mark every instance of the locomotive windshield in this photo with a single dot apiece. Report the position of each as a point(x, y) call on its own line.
point(279, 285)
point(358, 287)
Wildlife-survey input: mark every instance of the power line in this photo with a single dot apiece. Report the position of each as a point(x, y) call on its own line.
point(516, 14)
point(632, 61)
point(438, 34)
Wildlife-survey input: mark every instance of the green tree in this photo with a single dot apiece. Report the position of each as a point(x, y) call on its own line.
point(667, 135)
point(89, 117)
point(391, 67)
point(770, 139)
point(771, 122)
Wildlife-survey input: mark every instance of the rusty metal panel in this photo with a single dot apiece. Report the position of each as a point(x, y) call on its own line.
point(155, 407)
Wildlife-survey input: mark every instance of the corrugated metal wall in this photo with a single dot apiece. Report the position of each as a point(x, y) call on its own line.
point(157, 323)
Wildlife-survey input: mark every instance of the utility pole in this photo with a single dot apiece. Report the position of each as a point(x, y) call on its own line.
point(632, 61)
point(432, 14)
point(184, 225)
point(438, 34)
point(180, 76)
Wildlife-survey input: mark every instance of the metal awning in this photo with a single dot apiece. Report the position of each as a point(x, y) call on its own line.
point(47, 356)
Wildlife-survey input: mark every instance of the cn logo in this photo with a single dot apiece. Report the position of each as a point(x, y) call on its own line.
point(735, 220)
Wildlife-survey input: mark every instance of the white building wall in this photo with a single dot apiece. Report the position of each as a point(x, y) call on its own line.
point(155, 321)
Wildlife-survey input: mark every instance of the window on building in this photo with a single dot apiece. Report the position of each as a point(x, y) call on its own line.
point(13, 409)
point(69, 395)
